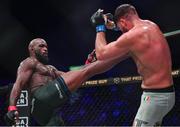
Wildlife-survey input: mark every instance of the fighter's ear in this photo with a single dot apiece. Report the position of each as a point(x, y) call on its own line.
point(122, 21)
point(31, 49)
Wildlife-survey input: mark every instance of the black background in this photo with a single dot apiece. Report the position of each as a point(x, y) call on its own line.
point(65, 25)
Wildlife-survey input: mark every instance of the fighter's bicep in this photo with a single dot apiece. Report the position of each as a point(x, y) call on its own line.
point(118, 48)
point(24, 73)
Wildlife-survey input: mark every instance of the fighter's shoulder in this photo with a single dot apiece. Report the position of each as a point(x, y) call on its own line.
point(150, 22)
point(141, 30)
point(29, 62)
point(149, 26)
point(130, 35)
point(138, 30)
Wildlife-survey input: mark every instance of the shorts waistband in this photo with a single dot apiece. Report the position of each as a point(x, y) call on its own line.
point(161, 90)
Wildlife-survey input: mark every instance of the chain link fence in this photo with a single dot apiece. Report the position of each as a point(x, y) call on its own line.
point(106, 105)
point(112, 105)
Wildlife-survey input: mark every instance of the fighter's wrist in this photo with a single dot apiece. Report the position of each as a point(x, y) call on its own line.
point(100, 28)
point(11, 108)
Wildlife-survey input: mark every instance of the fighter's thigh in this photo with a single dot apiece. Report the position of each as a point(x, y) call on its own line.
point(149, 114)
point(41, 112)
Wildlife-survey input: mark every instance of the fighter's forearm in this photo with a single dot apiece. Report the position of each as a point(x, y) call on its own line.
point(100, 44)
point(14, 95)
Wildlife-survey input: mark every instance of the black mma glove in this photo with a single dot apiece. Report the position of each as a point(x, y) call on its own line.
point(11, 115)
point(97, 19)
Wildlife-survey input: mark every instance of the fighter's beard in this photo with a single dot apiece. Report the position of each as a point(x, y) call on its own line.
point(41, 58)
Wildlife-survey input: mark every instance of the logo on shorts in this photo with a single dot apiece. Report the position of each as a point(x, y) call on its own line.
point(59, 91)
point(138, 123)
point(23, 122)
point(23, 98)
point(147, 98)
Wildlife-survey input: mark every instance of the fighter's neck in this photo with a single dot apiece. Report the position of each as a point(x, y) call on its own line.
point(137, 21)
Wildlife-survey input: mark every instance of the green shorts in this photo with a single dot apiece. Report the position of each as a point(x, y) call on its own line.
point(155, 104)
point(46, 99)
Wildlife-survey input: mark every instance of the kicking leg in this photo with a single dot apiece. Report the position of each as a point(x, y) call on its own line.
point(74, 79)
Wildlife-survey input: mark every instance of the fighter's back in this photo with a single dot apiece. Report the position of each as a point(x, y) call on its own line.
point(152, 56)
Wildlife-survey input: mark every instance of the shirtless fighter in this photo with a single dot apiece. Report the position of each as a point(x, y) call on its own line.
point(49, 87)
point(144, 42)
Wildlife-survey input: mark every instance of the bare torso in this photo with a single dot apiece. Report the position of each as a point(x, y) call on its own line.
point(152, 56)
point(41, 74)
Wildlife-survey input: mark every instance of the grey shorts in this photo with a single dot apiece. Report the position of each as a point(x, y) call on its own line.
point(154, 106)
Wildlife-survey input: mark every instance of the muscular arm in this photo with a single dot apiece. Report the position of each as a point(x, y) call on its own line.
point(117, 49)
point(23, 75)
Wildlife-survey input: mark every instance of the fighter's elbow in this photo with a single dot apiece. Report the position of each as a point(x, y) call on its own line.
point(100, 56)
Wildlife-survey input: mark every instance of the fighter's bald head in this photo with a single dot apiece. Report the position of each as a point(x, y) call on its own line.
point(34, 43)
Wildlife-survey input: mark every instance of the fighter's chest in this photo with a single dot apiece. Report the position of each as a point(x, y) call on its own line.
point(45, 70)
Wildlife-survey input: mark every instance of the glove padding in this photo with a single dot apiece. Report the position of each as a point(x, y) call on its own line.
point(10, 117)
point(91, 57)
point(102, 21)
point(97, 18)
point(109, 22)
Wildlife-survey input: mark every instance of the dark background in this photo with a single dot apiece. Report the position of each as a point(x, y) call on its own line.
point(65, 25)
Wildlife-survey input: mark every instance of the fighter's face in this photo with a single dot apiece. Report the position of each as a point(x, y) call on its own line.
point(41, 52)
point(123, 25)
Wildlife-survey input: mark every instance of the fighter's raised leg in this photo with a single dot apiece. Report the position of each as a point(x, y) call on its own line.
point(74, 79)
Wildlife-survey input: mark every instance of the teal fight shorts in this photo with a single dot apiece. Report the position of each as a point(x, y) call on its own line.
point(46, 99)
